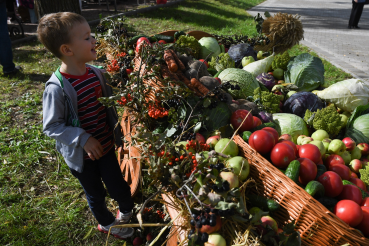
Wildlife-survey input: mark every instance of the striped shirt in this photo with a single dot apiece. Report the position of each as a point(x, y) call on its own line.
point(91, 113)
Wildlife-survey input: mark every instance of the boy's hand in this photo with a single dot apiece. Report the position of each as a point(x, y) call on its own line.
point(93, 148)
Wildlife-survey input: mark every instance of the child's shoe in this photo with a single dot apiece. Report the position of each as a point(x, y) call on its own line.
point(121, 233)
point(123, 218)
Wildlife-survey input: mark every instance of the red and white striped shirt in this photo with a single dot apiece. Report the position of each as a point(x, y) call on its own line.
point(91, 113)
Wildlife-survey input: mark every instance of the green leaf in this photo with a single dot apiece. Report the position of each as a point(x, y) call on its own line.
point(171, 132)
point(360, 110)
point(290, 227)
point(225, 205)
point(217, 117)
point(294, 239)
point(197, 127)
point(207, 102)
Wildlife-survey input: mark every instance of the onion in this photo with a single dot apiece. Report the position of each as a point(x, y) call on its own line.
point(265, 116)
point(215, 239)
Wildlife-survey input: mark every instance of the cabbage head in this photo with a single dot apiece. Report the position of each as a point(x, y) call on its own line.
point(291, 124)
point(347, 94)
point(305, 71)
point(209, 47)
point(244, 79)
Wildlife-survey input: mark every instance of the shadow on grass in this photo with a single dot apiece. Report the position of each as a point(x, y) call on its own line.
point(244, 4)
point(215, 20)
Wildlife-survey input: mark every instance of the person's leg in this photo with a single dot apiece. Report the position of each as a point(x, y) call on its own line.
point(6, 53)
point(90, 180)
point(117, 187)
point(359, 11)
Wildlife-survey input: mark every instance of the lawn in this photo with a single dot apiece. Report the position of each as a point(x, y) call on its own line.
point(41, 203)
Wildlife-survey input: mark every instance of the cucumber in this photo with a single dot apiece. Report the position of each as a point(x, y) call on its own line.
point(153, 39)
point(263, 203)
point(134, 39)
point(293, 170)
point(315, 189)
point(321, 169)
point(246, 135)
point(217, 74)
point(168, 39)
point(363, 193)
point(222, 48)
point(328, 202)
point(178, 34)
point(212, 71)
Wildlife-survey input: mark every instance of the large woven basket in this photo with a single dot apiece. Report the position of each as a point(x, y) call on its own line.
point(316, 224)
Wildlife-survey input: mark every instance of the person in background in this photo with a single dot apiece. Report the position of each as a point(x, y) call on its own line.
point(357, 10)
point(29, 4)
point(6, 53)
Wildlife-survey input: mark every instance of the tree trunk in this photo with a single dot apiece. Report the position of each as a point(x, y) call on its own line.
point(43, 7)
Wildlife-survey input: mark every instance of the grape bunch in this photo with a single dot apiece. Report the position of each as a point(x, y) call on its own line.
point(172, 103)
point(101, 28)
point(187, 134)
point(118, 31)
point(228, 86)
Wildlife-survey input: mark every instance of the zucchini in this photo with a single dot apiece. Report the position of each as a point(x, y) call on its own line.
point(134, 39)
point(363, 193)
point(212, 71)
point(321, 169)
point(222, 48)
point(217, 74)
point(153, 39)
point(168, 39)
point(293, 170)
point(263, 203)
point(315, 189)
point(178, 34)
point(328, 202)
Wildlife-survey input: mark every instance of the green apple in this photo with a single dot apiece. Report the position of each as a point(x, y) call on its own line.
point(236, 163)
point(260, 55)
point(336, 146)
point(278, 73)
point(320, 135)
point(290, 93)
point(320, 145)
point(346, 156)
point(326, 142)
point(247, 60)
point(355, 153)
point(231, 178)
point(231, 149)
point(344, 119)
point(300, 138)
point(306, 140)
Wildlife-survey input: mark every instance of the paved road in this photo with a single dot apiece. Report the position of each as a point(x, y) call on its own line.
point(325, 24)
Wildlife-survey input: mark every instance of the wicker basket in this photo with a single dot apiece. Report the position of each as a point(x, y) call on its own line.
point(316, 224)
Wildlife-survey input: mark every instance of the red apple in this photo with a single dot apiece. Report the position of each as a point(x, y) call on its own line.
point(200, 138)
point(354, 175)
point(342, 170)
point(350, 143)
point(149, 237)
point(356, 165)
point(364, 161)
point(137, 241)
point(205, 62)
point(364, 147)
point(285, 137)
point(333, 159)
point(212, 141)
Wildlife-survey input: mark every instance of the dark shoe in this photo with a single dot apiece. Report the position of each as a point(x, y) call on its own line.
point(14, 72)
point(356, 27)
point(349, 27)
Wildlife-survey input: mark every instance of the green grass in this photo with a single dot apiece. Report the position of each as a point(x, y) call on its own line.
point(41, 203)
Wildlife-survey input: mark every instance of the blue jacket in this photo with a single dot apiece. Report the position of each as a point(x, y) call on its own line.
point(61, 122)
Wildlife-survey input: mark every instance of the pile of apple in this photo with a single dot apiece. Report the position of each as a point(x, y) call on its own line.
point(342, 158)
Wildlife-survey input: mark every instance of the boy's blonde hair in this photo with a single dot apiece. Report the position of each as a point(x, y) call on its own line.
point(54, 30)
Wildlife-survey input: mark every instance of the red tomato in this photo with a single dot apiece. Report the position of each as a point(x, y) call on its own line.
point(290, 143)
point(237, 118)
point(162, 42)
point(273, 132)
point(332, 183)
point(311, 152)
point(282, 154)
point(349, 211)
point(365, 202)
point(308, 170)
point(140, 42)
point(364, 224)
point(257, 121)
point(351, 192)
point(129, 70)
point(358, 182)
point(333, 159)
point(205, 62)
point(342, 170)
point(354, 175)
point(262, 141)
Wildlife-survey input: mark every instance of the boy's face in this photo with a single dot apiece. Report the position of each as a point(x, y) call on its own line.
point(82, 44)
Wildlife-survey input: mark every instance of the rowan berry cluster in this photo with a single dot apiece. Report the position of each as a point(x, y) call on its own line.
point(123, 101)
point(122, 54)
point(156, 111)
point(160, 213)
point(194, 164)
point(114, 66)
point(147, 210)
point(194, 144)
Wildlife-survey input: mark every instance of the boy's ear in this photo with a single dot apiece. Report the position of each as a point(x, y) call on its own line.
point(65, 50)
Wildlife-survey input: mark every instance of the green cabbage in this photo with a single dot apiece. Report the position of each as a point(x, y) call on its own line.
point(260, 66)
point(305, 71)
point(347, 94)
point(291, 124)
point(240, 77)
point(359, 131)
point(209, 48)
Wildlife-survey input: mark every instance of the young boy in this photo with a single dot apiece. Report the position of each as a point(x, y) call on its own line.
point(84, 129)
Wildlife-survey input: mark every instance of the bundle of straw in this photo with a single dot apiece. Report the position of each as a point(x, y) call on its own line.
point(283, 30)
